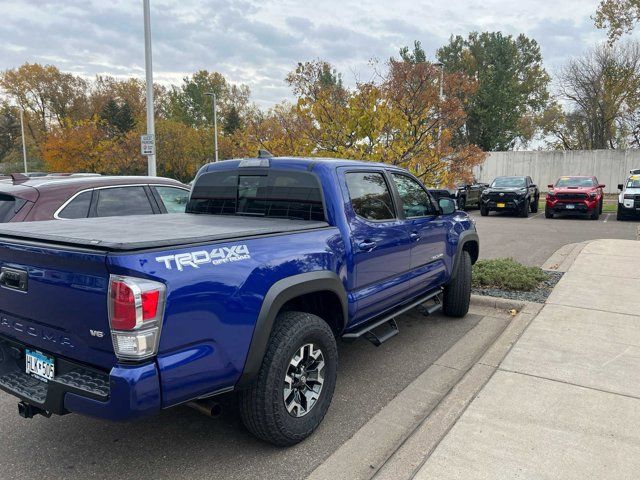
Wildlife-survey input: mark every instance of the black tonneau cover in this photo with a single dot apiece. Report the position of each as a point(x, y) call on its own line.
point(137, 232)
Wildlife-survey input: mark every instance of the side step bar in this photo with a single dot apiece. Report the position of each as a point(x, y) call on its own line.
point(390, 320)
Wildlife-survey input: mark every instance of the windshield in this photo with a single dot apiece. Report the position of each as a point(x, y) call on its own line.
point(633, 182)
point(509, 182)
point(9, 206)
point(575, 182)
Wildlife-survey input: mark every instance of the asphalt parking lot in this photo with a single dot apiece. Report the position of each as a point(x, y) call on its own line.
point(534, 239)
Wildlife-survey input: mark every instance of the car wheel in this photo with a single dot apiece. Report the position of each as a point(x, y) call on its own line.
point(534, 205)
point(601, 205)
point(595, 215)
point(620, 214)
point(462, 202)
point(524, 212)
point(484, 211)
point(457, 293)
point(295, 384)
point(548, 213)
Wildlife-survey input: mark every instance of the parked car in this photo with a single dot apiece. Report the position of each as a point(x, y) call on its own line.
point(515, 194)
point(469, 194)
point(122, 317)
point(24, 199)
point(575, 194)
point(629, 197)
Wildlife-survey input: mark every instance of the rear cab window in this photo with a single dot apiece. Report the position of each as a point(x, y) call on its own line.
point(273, 193)
point(9, 206)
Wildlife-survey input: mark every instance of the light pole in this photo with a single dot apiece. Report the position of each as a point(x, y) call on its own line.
point(215, 123)
point(24, 143)
point(151, 128)
point(440, 98)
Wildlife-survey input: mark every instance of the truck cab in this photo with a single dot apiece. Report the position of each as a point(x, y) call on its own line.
point(629, 197)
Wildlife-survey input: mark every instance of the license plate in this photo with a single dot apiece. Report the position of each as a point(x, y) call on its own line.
point(570, 207)
point(40, 365)
point(501, 205)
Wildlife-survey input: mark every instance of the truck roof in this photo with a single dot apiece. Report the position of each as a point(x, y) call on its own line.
point(293, 162)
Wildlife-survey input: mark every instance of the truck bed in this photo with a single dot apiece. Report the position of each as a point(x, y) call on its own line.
point(138, 232)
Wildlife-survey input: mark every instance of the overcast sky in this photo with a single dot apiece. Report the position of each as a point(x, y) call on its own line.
point(259, 42)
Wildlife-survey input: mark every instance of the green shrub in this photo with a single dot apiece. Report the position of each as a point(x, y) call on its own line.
point(507, 274)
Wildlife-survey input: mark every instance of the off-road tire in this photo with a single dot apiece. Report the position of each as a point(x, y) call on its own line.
point(548, 213)
point(601, 205)
point(484, 211)
point(262, 405)
point(524, 212)
point(595, 215)
point(534, 205)
point(620, 214)
point(457, 293)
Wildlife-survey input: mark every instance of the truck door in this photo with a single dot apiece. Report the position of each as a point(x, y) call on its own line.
point(380, 241)
point(427, 233)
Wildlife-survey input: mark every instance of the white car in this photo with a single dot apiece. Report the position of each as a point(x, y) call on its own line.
point(629, 198)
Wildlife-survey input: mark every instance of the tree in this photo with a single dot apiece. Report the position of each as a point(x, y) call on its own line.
point(512, 87)
point(118, 119)
point(417, 56)
point(617, 17)
point(232, 121)
point(602, 90)
point(9, 129)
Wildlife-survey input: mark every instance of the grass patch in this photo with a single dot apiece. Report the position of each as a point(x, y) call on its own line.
point(507, 274)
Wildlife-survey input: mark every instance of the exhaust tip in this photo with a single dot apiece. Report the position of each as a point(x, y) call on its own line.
point(209, 408)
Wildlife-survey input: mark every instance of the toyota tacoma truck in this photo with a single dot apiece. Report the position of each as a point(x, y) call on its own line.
point(575, 194)
point(276, 259)
point(513, 194)
point(629, 197)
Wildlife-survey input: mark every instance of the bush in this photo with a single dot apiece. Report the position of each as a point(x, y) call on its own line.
point(507, 274)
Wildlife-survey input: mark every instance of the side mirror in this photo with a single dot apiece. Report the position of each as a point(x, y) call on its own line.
point(447, 206)
point(620, 186)
point(533, 185)
point(550, 186)
point(602, 185)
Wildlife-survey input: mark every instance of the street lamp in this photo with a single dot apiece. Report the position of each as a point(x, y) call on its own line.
point(24, 144)
point(440, 98)
point(151, 128)
point(215, 123)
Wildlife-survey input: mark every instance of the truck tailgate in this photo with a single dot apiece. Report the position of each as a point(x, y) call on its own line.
point(61, 308)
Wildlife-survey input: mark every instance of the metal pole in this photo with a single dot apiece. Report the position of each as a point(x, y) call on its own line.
point(24, 144)
point(151, 129)
point(215, 126)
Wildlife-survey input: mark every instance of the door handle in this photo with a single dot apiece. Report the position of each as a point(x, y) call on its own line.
point(414, 236)
point(367, 245)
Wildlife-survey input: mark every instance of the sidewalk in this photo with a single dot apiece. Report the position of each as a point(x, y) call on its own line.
point(565, 402)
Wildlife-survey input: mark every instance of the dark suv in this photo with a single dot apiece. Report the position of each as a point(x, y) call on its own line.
point(24, 199)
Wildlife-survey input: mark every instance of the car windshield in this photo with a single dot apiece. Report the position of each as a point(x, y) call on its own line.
point(509, 182)
point(9, 206)
point(633, 182)
point(575, 182)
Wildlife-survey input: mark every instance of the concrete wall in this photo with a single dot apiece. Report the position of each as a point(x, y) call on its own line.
point(610, 166)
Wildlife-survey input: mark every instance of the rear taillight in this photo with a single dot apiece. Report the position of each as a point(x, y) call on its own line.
point(136, 307)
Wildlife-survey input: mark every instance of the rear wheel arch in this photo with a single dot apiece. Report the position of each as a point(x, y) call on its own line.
point(296, 293)
point(468, 242)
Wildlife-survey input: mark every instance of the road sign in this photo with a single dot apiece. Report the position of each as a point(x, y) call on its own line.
point(148, 144)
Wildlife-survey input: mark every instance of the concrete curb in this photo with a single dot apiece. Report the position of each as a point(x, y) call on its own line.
point(497, 302)
point(564, 257)
point(367, 452)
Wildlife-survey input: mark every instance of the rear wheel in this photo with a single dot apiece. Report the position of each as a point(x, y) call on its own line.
point(295, 383)
point(524, 212)
point(457, 294)
point(548, 213)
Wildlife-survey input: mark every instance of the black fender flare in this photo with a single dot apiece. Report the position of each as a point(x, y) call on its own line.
point(277, 296)
point(465, 237)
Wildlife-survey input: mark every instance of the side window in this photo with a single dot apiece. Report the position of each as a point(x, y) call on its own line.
point(370, 196)
point(415, 200)
point(78, 207)
point(122, 201)
point(174, 199)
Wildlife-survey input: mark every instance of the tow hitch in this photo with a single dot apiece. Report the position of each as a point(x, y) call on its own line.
point(27, 410)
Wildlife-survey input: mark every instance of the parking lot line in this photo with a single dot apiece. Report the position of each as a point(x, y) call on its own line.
point(534, 216)
point(607, 218)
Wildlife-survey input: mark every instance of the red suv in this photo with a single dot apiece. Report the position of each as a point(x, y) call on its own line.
point(575, 194)
point(24, 199)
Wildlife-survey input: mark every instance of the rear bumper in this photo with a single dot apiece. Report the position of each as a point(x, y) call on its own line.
point(125, 393)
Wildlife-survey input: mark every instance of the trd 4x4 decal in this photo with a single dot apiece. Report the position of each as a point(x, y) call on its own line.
point(216, 256)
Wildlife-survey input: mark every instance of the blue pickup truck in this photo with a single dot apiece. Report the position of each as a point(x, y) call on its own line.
point(276, 259)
